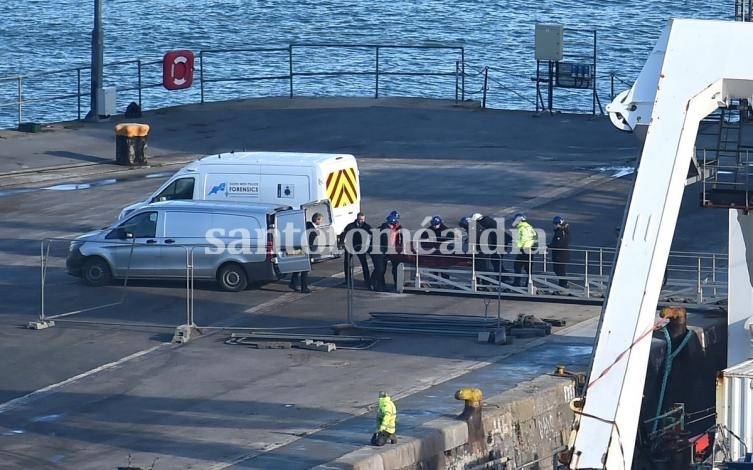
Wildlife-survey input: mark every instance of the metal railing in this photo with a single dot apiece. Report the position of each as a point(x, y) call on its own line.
point(728, 182)
point(394, 70)
point(691, 278)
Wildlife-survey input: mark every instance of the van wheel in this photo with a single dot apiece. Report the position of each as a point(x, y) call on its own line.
point(96, 272)
point(232, 277)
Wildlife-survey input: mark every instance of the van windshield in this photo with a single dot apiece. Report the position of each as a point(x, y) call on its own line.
point(181, 188)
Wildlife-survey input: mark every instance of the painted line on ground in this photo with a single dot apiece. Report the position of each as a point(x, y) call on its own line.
point(330, 281)
point(37, 394)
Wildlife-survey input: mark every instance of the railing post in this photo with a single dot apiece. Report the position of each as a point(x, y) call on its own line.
point(376, 79)
point(462, 69)
point(290, 67)
point(78, 92)
point(20, 98)
point(585, 277)
point(700, 288)
point(713, 272)
point(138, 66)
point(472, 245)
point(594, 75)
point(201, 74)
point(418, 274)
point(457, 80)
point(486, 82)
point(601, 262)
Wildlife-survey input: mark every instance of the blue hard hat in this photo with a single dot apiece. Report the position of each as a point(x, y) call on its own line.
point(394, 215)
point(391, 219)
point(558, 220)
point(520, 215)
point(436, 220)
point(463, 222)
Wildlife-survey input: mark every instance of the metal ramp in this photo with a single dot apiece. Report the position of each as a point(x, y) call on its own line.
point(697, 280)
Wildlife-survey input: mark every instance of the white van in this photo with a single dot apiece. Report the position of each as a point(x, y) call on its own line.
point(230, 243)
point(293, 179)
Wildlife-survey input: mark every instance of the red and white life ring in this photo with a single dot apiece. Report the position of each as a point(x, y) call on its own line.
point(177, 69)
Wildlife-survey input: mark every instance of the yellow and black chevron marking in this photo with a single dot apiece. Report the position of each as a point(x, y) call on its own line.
point(342, 187)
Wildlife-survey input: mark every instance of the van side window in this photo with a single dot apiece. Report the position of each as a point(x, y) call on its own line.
point(143, 225)
point(179, 189)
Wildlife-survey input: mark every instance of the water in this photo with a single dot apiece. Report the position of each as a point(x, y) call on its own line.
point(44, 35)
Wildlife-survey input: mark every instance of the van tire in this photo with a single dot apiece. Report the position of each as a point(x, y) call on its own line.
point(96, 272)
point(232, 277)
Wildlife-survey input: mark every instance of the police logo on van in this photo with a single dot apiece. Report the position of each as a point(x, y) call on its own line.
point(220, 188)
point(243, 189)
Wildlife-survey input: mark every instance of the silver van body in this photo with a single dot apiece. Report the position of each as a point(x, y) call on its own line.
point(232, 243)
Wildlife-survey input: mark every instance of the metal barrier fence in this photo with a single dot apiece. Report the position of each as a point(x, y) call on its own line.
point(692, 279)
point(116, 300)
point(378, 69)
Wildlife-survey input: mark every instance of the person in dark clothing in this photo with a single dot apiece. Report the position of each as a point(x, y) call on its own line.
point(390, 242)
point(357, 235)
point(494, 244)
point(303, 276)
point(434, 235)
point(560, 245)
point(490, 250)
point(438, 228)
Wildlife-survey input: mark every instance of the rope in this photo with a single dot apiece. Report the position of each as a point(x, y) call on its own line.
point(616, 428)
point(655, 327)
point(669, 358)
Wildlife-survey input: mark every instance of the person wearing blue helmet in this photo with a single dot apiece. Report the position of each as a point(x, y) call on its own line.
point(560, 246)
point(390, 243)
point(438, 228)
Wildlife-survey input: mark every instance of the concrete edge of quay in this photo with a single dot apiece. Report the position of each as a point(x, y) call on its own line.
point(528, 423)
point(532, 422)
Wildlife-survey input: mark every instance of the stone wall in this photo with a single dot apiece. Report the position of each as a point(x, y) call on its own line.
point(529, 423)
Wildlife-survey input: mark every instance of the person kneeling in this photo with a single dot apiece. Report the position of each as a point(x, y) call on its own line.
point(385, 422)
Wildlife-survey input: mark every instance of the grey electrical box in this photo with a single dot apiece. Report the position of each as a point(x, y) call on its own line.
point(106, 100)
point(549, 41)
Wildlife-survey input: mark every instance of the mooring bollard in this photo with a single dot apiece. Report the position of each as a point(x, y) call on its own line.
point(472, 415)
point(130, 143)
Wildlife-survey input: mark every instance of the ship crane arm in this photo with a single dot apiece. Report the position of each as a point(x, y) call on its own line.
point(692, 71)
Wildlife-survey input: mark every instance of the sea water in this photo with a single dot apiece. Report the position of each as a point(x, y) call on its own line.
point(49, 35)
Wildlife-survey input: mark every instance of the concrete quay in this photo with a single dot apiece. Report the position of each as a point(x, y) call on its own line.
point(107, 387)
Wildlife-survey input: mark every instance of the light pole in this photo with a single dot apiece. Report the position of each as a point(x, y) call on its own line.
point(97, 60)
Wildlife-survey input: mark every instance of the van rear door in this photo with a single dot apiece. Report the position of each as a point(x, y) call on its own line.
point(290, 241)
point(326, 240)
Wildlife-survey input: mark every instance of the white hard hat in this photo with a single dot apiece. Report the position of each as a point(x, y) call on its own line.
point(476, 216)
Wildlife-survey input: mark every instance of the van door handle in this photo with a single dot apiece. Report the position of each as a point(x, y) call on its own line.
point(169, 240)
point(151, 241)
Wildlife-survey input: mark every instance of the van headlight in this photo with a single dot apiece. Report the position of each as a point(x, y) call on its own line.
point(75, 245)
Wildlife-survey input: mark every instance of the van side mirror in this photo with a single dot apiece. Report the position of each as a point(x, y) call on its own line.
point(119, 233)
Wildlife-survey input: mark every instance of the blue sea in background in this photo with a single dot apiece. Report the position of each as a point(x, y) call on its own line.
point(47, 35)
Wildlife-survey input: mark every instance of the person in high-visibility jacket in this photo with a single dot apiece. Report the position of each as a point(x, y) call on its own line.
point(526, 245)
point(385, 421)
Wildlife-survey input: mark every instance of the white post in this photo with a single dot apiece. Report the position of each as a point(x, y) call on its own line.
point(740, 286)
